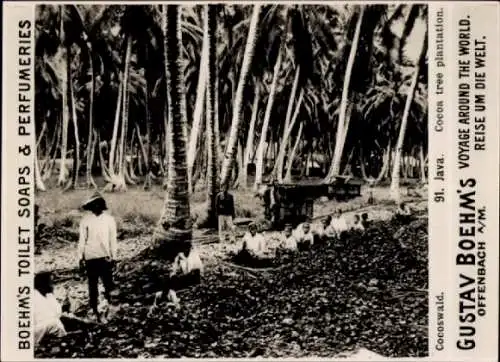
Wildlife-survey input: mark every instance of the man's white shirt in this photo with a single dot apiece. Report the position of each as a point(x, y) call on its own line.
point(97, 237)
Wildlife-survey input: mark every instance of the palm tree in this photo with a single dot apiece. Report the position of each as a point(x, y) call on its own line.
point(230, 153)
point(343, 122)
point(416, 11)
point(175, 225)
point(365, 20)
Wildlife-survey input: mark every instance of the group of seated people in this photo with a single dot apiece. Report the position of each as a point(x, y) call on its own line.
point(254, 243)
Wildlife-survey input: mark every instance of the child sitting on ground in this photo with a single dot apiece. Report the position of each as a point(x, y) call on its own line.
point(304, 235)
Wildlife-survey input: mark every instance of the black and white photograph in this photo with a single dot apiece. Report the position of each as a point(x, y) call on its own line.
point(241, 180)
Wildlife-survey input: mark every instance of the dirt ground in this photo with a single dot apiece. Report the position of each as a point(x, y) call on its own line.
point(137, 211)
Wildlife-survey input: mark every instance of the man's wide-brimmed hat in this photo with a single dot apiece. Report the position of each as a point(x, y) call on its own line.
point(95, 196)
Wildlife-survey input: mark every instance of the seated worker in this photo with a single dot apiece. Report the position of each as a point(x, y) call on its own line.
point(47, 309)
point(339, 224)
point(403, 209)
point(364, 220)
point(325, 232)
point(253, 241)
point(304, 235)
point(288, 241)
point(357, 225)
point(253, 251)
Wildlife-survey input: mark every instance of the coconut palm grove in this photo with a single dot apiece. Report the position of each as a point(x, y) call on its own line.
point(212, 132)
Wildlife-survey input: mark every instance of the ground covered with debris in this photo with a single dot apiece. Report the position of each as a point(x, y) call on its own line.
point(368, 290)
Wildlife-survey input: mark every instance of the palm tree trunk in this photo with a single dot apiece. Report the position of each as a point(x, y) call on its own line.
point(61, 181)
point(200, 102)
point(90, 142)
point(228, 162)
point(175, 226)
point(343, 122)
point(149, 176)
point(102, 161)
point(216, 120)
point(76, 153)
point(292, 99)
point(125, 114)
point(423, 178)
point(250, 138)
point(211, 23)
point(40, 186)
point(395, 177)
point(289, 164)
point(259, 166)
point(286, 138)
point(114, 139)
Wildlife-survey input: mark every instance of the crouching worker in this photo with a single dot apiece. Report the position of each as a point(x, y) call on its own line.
point(186, 269)
point(47, 309)
point(304, 236)
point(97, 250)
point(325, 232)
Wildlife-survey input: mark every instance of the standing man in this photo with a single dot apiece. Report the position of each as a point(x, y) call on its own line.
point(224, 207)
point(97, 249)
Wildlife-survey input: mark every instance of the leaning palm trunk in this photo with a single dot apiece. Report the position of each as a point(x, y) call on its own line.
point(198, 107)
point(292, 99)
point(395, 177)
point(175, 225)
point(285, 140)
point(229, 157)
point(250, 138)
point(210, 24)
point(259, 166)
point(277, 164)
point(76, 154)
point(343, 122)
point(289, 164)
